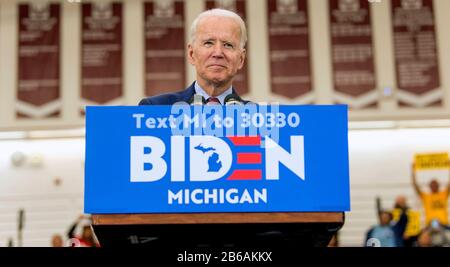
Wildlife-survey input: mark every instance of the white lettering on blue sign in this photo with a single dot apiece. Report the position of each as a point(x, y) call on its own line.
point(216, 196)
point(148, 151)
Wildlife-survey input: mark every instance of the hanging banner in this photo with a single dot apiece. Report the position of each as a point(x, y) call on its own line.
point(38, 92)
point(240, 82)
point(165, 67)
point(289, 50)
point(101, 52)
point(352, 53)
point(416, 54)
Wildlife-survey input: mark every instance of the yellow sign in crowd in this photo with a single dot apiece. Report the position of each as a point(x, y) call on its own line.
point(413, 226)
point(436, 161)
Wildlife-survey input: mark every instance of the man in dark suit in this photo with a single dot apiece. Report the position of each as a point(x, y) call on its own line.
point(217, 51)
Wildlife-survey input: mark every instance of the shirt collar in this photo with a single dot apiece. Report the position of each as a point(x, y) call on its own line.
point(221, 97)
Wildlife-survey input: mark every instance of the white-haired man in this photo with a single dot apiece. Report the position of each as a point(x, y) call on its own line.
point(217, 51)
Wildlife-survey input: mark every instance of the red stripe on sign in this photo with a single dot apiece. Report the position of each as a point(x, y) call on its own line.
point(245, 175)
point(248, 158)
point(245, 140)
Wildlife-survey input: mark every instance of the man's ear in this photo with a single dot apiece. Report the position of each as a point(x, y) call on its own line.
point(242, 57)
point(190, 54)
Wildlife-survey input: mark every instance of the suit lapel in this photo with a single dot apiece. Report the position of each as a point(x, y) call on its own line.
point(187, 94)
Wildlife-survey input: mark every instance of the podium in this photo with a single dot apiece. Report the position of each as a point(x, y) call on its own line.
point(234, 230)
point(177, 176)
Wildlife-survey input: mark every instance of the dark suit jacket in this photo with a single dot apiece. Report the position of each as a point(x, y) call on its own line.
point(172, 98)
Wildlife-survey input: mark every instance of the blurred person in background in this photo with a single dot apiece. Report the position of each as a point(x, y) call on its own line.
point(87, 238)
point(438, 234)
point(434, 235)
point(424, 239)
point(401, 203)
point(435, 203)
point(57, 241)
point(387, 233)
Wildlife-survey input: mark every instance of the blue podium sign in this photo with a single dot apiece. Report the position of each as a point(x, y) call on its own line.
point(241, 158)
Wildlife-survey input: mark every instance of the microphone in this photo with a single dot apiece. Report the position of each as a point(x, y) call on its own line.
point(197, 100)
point(233, 99)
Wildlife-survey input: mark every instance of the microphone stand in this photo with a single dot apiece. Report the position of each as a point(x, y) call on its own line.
point(20, 228)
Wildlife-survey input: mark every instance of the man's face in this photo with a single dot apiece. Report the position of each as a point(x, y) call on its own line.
point(57, 241)
point(385, 218)
point(434, 186)
point(87, 233)
point(400, 202)
point(216, 52)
